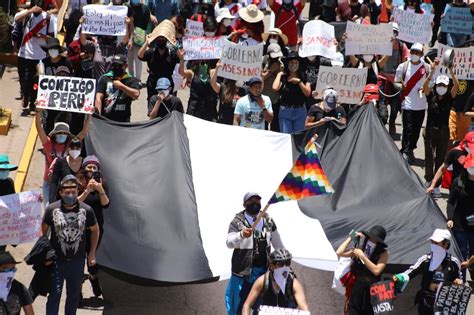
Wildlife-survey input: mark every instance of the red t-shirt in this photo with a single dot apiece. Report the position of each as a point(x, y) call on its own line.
point(286, 21)
point(52, 150)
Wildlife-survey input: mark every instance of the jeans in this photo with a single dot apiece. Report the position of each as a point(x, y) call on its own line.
point(436, 146)
point(412, 121)
point(72, 271)
point(134, 64)
point(456, 40)
point(238, 289)
point(292, 119)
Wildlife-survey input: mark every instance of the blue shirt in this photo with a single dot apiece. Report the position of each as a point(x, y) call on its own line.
point(163, 9)
point(251, 115)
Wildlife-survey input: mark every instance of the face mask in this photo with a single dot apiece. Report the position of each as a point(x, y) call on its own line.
point(61, 138)
point(69, 200)
point(273, 41)
point(74, 153)
point(161, 44)
point(281, 276)
point(253, 209)
point(6, 279)
point(369, 248)
point(209, 34)
point(53, 53)
point(470, 171)
point(293, 68)
point(165, 93)
point(441, 90)
point(368, 58)
point(330, 101)
point(226, 22)
point(414, 58)
point(118, 71)
point(4, 174)
point(87, 64)
point(438, 255)
point(245, 35)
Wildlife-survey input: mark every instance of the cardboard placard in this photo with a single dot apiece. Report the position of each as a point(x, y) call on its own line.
point(348, 82)
point(463, 62)
point(369, 39)
point(202, 48)
point(318, 39)
point(240, 62)
point(66, 94)
point(457, 20)
point(452, 299)
point(414, 28)
point(105, 20)
point(382, 295)
point(194, 28)
point(20, 218)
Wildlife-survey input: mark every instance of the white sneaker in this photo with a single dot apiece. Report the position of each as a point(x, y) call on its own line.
point(436, 193)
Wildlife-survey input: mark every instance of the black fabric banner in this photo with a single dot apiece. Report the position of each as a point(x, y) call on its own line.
point(382, 295)
point(453, 299)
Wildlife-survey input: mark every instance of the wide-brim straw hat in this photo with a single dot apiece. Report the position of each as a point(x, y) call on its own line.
point(251, 14)
point(278, 32)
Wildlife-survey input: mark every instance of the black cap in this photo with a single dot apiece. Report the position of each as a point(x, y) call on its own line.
point(119, 59)
point(68, 178)
point(7, 258)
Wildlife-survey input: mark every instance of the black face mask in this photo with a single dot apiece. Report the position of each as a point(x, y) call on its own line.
point(161, 44)
point(253, 209)
point(87, 64)
point(118, 71)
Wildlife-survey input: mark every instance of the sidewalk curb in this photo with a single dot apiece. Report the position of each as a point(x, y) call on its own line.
point(26, 156)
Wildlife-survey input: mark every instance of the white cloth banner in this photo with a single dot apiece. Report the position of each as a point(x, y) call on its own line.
point(202, 48)
point(463, 62)
point(66, 94)
point(414, 28)
point(240, 62)
point(348, 82)
point(194, 28)
point(318, 40)
point(369, 39)
point(105, 19)
point(20, 218)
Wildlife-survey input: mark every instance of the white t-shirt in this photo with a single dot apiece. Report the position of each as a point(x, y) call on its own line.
point(414, 100)
point(32, 48)
point(251, 115)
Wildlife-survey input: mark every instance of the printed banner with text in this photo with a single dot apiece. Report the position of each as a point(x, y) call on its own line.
point(382, 295)
point(457, 20)
point(414, 28)
point(240, 62)
point(452, 299)
point(104, 19)
point(348, 82)
point(369, 39)
point(318, 40)
point(66, 94)
point(20, 218)
point(463, 62)
point(202, 48)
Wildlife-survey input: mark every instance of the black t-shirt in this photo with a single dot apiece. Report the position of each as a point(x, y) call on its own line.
point(7, 187)
point(464, 93)
point(455, 157)
point(439, 109)
point(372, 77)
point(62, 68)
point(311, 69)
point(141, 16)
point(93, 200)
point(68, 227)
point(160, 65)
point(18, 297)
point(291, 94)
point(318, 113)
point(173, 103)
point(116, 105)
point(104, 52)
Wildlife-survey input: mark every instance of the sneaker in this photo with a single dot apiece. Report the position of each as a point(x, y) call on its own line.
point(96, 289)
point(436, 193)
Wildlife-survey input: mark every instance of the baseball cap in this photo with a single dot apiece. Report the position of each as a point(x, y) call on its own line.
point(163, 84)
point(274, 50)
point(119, 59)
point(7, 258)
point(417, 47)
point(442, 79)
point(254, 80)
point(440, 235)
point(250, 195)
point(68, 178)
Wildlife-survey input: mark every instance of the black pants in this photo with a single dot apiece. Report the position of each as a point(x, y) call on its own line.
point(436, 145)
point(425, 301)
point(412, 121)
point(27, 74)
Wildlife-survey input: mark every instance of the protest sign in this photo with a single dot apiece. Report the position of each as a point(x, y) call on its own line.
point(105, 20)
point(240, 62)
point(202, 48)
point(194, 28)
point(382, 295)
point(463, 62)
point(369, 39)
point(457, 20)
point(20, 218)
point(452, 299)
point(427, 8)
point(348, 82)
point(318, 39)
point(66, 94)
point(414, 28)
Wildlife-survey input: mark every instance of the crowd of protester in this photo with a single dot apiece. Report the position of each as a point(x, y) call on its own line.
point(282, 99)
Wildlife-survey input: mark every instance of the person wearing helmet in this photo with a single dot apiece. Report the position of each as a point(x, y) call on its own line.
point(327, 110)
point(436, 267)
point(278, 286)
point(251, 249)
point(436, 133)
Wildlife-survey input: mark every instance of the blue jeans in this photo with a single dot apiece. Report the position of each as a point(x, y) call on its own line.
point(292, 119)
point(72, 271)
point(238, 289)
point(456, 40)
point(465, 241)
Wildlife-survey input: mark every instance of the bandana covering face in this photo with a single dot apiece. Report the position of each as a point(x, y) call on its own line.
point(438, 255)
point(281, 276)
point(6, 279)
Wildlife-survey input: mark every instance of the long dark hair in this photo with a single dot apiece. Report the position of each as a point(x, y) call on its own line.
point(228, 91)
point(417, 6)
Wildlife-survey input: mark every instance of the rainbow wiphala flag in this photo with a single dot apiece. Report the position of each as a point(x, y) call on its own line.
point(306, 178)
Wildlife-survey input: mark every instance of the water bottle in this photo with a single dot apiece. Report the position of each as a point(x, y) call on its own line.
point(40, 68)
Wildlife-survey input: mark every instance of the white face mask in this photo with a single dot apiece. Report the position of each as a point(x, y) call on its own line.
point(245, 35)
point(165, 93)
point(4, 174)
point(470, 171)
point(441, 90)
point(273, 41)
point(438, 255)
point(53, 53)
point(226, 22)
point(368, 58)
point(209, 34)
point(281, 276)
point(414, 58)
point(74, 153)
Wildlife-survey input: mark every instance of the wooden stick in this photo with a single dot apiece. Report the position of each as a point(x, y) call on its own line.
point(260, 216)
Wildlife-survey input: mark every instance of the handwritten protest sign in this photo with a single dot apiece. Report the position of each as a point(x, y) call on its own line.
point(318, 39)
point(369, 39)
point(240, 62)
point(414, 28)
point(348, 82)
point(104, 20)
point(452, 299)
point(66, 94)
point(202, 48)
point(20, 218)
point(457, 20)
point(382, 295)
point(194, 28)
point(463, 62)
